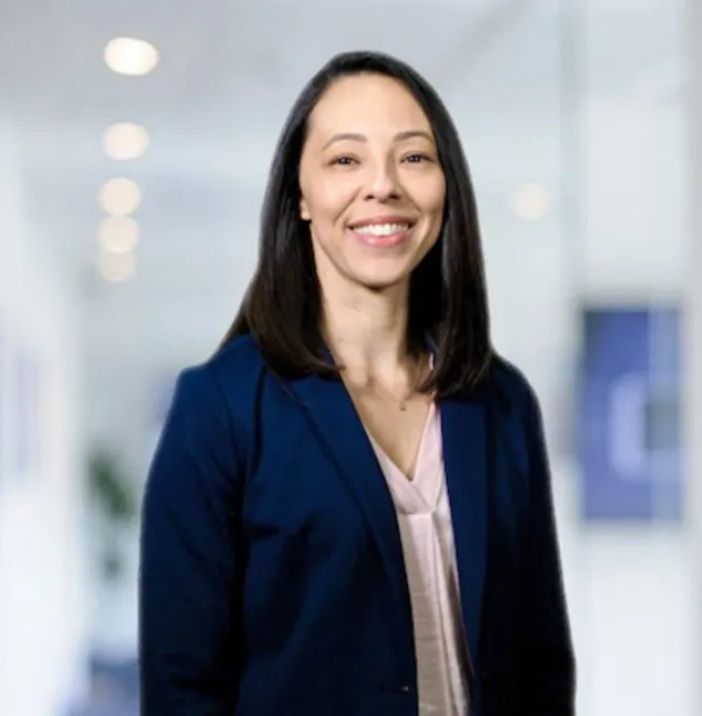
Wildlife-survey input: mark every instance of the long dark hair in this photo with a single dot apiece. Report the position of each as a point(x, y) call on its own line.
point(447, 297)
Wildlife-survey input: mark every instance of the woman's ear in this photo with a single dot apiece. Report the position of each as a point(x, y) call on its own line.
point(304, 211)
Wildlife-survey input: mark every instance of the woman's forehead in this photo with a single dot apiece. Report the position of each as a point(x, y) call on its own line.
point(367, 103)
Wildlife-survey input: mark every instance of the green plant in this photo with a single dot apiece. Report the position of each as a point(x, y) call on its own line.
point(109, 486)
point(115, 498)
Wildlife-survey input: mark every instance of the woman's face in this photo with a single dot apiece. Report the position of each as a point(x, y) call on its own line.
point(371, 184)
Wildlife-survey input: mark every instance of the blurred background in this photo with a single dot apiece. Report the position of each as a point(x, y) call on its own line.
point(135, 140)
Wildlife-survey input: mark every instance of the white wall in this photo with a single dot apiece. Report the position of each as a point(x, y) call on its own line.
point(43, 594)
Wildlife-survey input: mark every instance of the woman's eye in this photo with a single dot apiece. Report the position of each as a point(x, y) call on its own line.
point(416, 158)
point(343, 161)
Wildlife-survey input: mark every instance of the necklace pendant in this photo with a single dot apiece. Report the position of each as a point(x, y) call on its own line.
point(403, 406)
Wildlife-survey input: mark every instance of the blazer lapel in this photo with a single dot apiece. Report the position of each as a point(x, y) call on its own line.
point(339, 426)
point(464, 446)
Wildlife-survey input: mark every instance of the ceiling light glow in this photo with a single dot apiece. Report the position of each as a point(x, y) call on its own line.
point(118, 234)
point(116, 268)
point(120, 196)
point(130, 56)
point(125, 140)
point(530, 201)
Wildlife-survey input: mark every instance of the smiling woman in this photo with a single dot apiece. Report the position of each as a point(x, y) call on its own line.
point(369, 139)
point(387, 193)
point(349, 511)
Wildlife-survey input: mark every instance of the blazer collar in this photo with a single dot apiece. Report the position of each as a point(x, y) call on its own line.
point(335, 419)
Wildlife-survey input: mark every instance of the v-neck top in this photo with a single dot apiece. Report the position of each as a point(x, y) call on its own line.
point(424, 519)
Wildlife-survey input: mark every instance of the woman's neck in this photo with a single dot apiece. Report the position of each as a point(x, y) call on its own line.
point(367, 335)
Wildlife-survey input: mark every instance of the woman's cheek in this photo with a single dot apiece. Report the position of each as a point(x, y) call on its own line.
point(436, 192)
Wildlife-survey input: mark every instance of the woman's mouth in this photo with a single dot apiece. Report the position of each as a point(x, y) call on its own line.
point(382, 235)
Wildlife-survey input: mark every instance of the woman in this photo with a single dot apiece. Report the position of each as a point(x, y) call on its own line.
point(349, 511)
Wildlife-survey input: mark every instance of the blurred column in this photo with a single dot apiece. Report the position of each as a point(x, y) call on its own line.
point(693, 328)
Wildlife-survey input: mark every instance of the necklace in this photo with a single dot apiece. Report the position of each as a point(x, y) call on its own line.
point(401, 400)
point(406, 398)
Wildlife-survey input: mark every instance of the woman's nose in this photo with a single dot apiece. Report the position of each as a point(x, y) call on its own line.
point(384, 184)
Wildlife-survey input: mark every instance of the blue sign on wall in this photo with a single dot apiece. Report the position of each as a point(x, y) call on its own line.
point(629, 414)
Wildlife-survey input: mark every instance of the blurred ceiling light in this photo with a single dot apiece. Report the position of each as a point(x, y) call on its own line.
point(530, 201)
point(116, 268)
point(118, 234)
point(129, 56)
point(125, 140)
point(119, 196)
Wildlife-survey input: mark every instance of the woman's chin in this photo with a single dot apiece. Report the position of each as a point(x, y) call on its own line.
point(378, 281)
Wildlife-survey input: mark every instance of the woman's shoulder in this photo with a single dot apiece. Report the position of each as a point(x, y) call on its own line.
point(514, 411)
point(231, 377)
point(508, 386)
point(238, 362)
point(219, 394)
point(240, 359)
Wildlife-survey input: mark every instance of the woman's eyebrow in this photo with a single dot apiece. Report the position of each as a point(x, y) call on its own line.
point(358, 137)
point(412, 133)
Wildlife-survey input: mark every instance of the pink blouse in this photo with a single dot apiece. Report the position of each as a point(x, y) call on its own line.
point(426, 533)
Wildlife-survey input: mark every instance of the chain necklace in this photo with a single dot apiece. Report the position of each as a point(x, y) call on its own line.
point(403, 401)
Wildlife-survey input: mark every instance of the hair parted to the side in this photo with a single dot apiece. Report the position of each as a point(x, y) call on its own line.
point(448, 298)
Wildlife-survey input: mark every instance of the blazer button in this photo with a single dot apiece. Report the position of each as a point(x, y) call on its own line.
point(395, 688)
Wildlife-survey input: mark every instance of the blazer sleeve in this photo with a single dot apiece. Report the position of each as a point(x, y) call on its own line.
point(189, 558)
point(547, 687)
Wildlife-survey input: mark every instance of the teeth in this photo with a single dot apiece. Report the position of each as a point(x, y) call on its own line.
point(381, 229)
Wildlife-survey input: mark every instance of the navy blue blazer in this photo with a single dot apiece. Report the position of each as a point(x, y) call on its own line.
point(272, 579)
